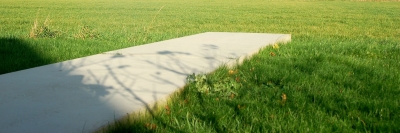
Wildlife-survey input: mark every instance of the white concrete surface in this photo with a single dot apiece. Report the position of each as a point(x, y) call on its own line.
point(83, 94)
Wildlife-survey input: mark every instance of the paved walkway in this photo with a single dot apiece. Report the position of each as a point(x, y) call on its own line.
point(84, 94)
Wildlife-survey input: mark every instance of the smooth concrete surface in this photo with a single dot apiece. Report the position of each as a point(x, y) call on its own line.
point(84, 94)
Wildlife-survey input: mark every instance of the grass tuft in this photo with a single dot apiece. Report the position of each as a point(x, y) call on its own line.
point(87, 33)
point(43, 30)
point(151, 25)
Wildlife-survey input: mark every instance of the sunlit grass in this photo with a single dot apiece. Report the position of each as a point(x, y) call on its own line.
point(340, 73)
point(126, 23)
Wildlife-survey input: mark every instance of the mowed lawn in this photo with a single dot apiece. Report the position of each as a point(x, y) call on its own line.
point(340, 73)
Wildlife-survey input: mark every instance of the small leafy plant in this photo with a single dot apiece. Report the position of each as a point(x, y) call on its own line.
point(204, 84)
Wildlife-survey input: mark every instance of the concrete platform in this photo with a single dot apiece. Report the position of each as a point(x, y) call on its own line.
point(84, 94)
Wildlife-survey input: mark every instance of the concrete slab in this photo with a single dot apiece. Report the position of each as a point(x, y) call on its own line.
point(84, 94)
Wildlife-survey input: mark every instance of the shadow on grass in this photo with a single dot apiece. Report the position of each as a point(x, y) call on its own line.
point(17, 54)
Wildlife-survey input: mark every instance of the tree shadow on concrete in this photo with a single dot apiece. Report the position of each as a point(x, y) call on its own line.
point(75, 95)
point(208, 59)
point(46, 98)
point(59, 103)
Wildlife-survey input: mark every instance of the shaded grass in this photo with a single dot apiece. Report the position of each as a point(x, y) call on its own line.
point(14, 53)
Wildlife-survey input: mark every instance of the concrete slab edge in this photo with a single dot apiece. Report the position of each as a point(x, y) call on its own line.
point(285, 38)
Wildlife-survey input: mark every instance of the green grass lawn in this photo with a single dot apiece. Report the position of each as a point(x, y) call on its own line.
point(340, 73)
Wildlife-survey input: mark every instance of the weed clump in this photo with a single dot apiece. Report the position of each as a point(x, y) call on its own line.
point(87, 33)
point(42, 30)
point(204, 84)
